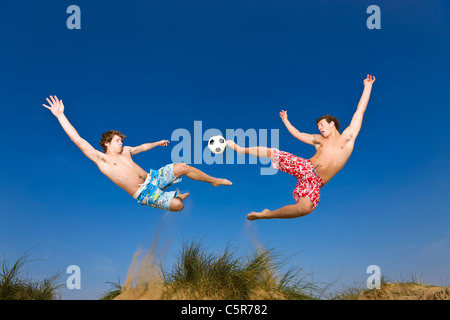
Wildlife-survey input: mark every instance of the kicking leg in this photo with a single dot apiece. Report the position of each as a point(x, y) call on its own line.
point(254, 151)
point(302, 208)
point(180, 169)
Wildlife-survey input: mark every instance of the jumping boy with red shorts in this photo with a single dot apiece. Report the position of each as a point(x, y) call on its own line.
point(332, 152)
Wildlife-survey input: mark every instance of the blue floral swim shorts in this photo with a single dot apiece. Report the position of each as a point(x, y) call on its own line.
point(151, 192)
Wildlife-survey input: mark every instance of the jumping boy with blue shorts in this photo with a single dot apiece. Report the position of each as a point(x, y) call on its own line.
point(148, 188)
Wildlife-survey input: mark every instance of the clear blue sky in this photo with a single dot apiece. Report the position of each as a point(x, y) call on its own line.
point(147, 68)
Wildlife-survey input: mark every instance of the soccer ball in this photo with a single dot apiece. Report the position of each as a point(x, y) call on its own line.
point(217, 144)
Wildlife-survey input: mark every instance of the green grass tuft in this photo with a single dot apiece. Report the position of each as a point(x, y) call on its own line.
point(13, 286)
point(199, 274)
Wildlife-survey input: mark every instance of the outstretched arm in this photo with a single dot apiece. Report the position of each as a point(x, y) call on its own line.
point(312, 139)
point(356, 123)
point(57, 108)
point(147, 146)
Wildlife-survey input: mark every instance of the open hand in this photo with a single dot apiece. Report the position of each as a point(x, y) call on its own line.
point(56, 106)
point(283, 115)
point(369, 80)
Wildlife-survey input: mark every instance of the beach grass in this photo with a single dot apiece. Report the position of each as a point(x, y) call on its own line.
point(15, 286)
point(199, 274)
point(229, 275)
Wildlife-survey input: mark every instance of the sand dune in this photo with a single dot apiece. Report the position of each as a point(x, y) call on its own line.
point(406, 291)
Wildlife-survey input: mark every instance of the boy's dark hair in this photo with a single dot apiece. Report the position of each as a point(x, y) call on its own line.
point(330, 118)
point(108, 136)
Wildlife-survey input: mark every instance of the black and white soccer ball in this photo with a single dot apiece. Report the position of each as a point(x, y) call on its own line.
point(217, 144)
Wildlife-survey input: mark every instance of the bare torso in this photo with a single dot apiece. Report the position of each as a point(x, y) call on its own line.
point(331, 155)
point(122, 170)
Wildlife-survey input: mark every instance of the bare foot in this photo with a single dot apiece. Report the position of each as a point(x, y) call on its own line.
point(221, 182)
point(183, 196)
point(234, 146)
point(258, 215)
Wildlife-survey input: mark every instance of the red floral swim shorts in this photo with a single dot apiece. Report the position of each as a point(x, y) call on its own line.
point(308, 180)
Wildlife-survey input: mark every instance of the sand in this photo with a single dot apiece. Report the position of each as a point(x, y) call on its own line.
point(406, 291)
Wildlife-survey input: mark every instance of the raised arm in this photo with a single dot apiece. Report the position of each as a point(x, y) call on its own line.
point(147, 146)
point(355, 125)
point(312, 139)
point(57, 108)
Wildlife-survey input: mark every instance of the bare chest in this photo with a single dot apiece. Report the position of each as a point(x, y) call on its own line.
point(120, 165)
point(339, 148)
point(333, 154)
point(119, 161)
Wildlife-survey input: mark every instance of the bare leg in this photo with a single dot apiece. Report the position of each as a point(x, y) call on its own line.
point(254, 151)
point(176, 204)
point(180, 169)
point(302, 208)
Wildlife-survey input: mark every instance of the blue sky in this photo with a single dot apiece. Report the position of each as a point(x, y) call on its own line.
point(147, 68)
